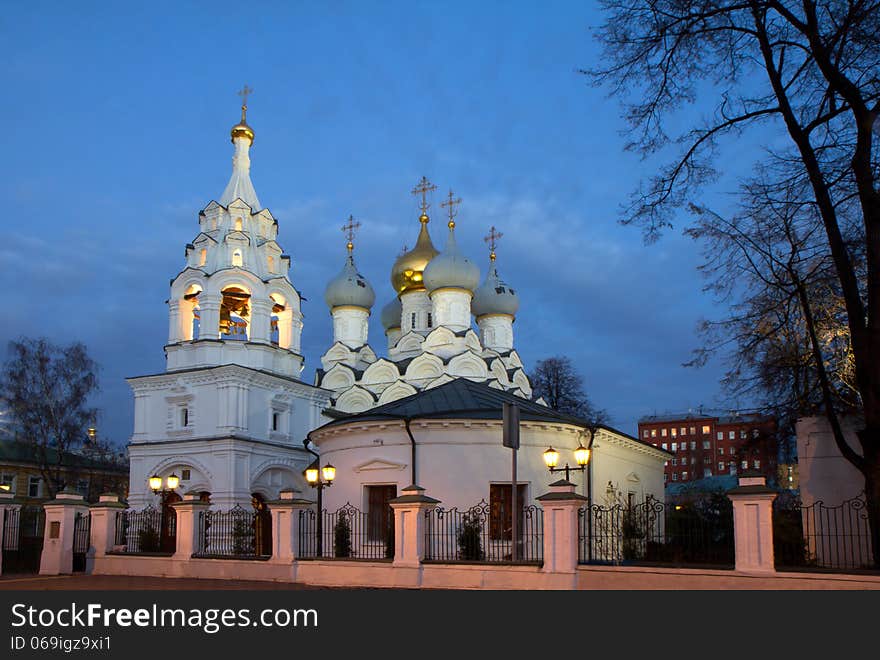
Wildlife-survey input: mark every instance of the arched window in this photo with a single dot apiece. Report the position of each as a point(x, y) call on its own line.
point(203, 256)
point(189, 310)
point(280, 321)
point(270, 262)
point(238, 224)
point(234, 313)
point(237, 258)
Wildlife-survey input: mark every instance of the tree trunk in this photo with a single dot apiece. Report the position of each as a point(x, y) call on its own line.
point(870, 438)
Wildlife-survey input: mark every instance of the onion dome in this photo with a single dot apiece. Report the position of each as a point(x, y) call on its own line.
point(241, 129)
point(349, 289)
point(493, 296)
point(391, 314)
point(406, 274)
point(451, 269)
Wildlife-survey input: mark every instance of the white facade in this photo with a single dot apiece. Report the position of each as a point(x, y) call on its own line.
point(229, 415)
point(458, 460)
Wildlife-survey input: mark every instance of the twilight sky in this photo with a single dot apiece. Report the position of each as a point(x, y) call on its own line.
point(117, 134)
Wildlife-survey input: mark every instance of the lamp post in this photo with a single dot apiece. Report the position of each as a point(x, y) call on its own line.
point(172, 481)
point(582, 458)
point(320, 479)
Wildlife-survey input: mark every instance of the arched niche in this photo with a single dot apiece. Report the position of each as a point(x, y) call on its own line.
point(235, 313)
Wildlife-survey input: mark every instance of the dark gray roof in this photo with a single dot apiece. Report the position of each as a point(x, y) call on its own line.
point(461, 398)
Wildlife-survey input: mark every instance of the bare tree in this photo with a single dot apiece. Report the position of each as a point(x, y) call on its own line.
point(556, 380)
point(46, 390)
point(809, 69)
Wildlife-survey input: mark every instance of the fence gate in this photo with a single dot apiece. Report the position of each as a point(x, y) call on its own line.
point(81, 529)
point(23, 539)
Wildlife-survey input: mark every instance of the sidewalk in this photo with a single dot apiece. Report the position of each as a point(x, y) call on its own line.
point(82, 582)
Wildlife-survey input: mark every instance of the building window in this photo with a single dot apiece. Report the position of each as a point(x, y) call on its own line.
point(720, 435)
point(675, 476)
point(185, 474)
point(721, 466)
point(683, 430)
point(662, 433)
point(684, 476)
point(673, 432)
point(707, 460)
point(742, 434)
point(663, 446)
point(34, 484)
point(731, 435)
point(706, 444)
point(721, 450)
point(184, 417)
point(270, 263)
point(7, 482)
point(754, 433)
point(238, 224)
point(675, 461)
point(379, 516)
point(757, 464)
point(413, 319)
point(693, 430)
point(430, 320)
point(706, 430)
point(275, 421)
point(745, 465)
point(674, 446)
point(653, 433)
point(732, 467)
point(645, 433)
point(237, 258)
point(665, 477)
point(693, 445)
point(707, 472)
point(732, 450)
point(500, 521)
point(203, 256)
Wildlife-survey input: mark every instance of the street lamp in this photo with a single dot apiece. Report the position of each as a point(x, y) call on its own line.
point(581, 457)
point(172, 481)
point(328, 474)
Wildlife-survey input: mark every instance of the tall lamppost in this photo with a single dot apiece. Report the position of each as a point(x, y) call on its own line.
point(320, 479)
point(172, 481)
point(582, 458)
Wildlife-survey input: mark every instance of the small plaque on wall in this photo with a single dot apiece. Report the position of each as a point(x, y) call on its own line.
point(54, 529)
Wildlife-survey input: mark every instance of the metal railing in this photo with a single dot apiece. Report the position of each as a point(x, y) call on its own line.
point(81, 540)
point(347, 533)
point(696, 533)
point(479, 534)
point(149, 530)
point(836, 538)
point(237, 533)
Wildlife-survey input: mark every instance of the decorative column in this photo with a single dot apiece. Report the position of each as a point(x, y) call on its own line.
point(261, 312)
point(187, 513)
point(57, 557)
point(753, 523)
point(409, 525)
point(285, 525)
point(175, 331)
point(209, 311)
point(8, 512)
point(103, 523)
point(561, 506)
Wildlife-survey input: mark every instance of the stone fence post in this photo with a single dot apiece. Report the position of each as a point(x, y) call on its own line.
point(409, 525)
point(9, 522)
point(561, 506)
point(285, 525)
point(753, 523)
point(57, 557)
point(187, 512)
point(103, 524)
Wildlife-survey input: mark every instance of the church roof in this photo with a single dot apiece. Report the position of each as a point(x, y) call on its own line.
point(464, 399)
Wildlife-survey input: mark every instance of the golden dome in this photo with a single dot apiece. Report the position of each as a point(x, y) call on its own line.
point(241, 129)
point(406, 274)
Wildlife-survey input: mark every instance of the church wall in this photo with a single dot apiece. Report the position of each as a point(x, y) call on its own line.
point(628, 467)
point(457, 463)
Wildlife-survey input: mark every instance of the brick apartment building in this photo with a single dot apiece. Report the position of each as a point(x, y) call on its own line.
point(709, 446)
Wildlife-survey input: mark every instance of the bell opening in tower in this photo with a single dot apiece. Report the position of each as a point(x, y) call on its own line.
point(234, 314)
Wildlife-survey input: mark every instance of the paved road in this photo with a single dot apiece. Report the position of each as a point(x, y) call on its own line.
point(132, 582)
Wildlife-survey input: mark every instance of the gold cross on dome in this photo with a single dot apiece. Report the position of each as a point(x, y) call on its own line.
point(492, 240)
point(423, 188)
point(243, 93)
point(450, 205)
point(349, 229)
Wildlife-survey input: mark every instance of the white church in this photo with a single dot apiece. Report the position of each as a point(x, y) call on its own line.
point(234, 419)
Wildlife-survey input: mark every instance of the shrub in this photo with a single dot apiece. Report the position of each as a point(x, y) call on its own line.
point(469, 542)
point(342, 536)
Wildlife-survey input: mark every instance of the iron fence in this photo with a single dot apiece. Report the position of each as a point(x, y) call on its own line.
point(236, 533)
point(699, 533)
point(836, 538)
point(347, 533)
point(479, 534)
point(148, 531)
point(22, 539)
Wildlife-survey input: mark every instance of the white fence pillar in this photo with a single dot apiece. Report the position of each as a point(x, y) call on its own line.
point(57, 557)
point(409, 525)
point(753, 523)
point(187, 535)
point(102, 535)
point(285, 525)
point(561, 506)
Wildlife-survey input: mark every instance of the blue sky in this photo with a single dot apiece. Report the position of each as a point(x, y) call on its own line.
point(117, 133)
